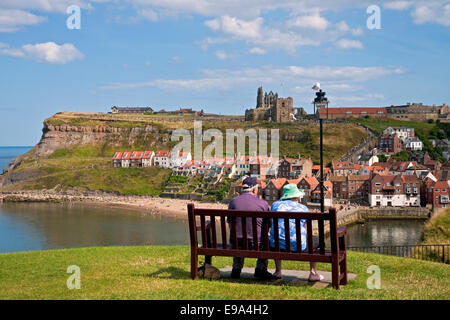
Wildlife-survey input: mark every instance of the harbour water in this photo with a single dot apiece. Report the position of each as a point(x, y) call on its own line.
point(40, 226)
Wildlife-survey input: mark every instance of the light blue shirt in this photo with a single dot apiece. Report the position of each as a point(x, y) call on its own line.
point(288, 206)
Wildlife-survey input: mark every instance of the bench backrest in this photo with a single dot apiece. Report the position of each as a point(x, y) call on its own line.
point(209, 232)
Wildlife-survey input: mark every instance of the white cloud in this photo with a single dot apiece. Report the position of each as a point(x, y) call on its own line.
point(236, 27)
point(12, 20)
point(222, 55)
point(224, 79)
point(349, 44)
point(46, 5)
point(329, 87)
point(357, 32)
point(254, 33)
point(257, 51)
point(314, 21)
point(398, 5)
point(6, 50)
point(360, 98)
point(432, 12)
point(148, 14)
point(48, 52)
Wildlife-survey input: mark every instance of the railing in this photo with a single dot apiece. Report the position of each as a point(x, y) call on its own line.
point(429, 252)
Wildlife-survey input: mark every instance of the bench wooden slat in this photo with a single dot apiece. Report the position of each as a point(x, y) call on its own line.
point(223, 227)
point(203, 226)
point(265, 234)
point(321, 236)
point(261, 214)
point(287, 235)
point(234, 242)
point(244, 233)
point(255, 234)
point(265, 255)
point(213, 231)
point(309, 235)
point(276, 233)
point(298, 234)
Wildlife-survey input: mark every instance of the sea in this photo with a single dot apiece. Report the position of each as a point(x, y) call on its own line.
point(9, 153)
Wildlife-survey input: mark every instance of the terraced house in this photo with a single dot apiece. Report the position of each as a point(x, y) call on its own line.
point(352, 187)
point(438, 194)
point(394, 191)
point(294, 168)
point(344, 168)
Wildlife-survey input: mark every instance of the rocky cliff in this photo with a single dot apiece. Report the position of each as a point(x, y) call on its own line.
point(65, 136)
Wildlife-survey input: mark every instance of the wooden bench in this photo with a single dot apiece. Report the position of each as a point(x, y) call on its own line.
point(211, 247)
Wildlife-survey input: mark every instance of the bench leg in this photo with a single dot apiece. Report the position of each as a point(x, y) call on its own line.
point(343, 270)
point(335, 272)
point(194, 265)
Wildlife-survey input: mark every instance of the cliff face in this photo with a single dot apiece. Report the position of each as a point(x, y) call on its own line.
point(64, 136)
point(56, 137)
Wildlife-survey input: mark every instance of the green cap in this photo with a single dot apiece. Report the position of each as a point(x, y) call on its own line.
point(291, 191)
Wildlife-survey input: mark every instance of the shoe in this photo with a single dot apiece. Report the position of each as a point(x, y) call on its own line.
point(277, 276)
point(235, 273)
point(263, 274)
point(315, 277)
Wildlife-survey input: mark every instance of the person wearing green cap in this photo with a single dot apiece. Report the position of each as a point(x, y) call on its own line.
point(290, 202)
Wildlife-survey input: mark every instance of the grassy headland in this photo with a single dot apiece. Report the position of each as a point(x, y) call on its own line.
point(163, 273)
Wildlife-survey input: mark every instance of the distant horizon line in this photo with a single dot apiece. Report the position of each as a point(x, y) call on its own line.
point(16, 146)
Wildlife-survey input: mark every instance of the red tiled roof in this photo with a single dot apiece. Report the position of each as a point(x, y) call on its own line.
point(311, 181)
point(126, 155)
point(372, 110)
point(137, 155)
point(441, 184)
point(279, 183)
point(118, 156)
point(179, 154)
point(162, 153)
point(147, 154)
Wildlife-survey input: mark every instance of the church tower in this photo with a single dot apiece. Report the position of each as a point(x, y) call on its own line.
point(260, 98)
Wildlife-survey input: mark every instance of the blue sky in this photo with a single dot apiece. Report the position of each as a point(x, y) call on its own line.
point(213, 55)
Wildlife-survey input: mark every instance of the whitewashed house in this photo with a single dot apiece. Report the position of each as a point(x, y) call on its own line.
point(126, 159)
point(401, 132)
point(117, 159)
point(242, 165)
point(368, 158)
point(162, 159)
point(178, 159)
point(147, 159)
point(395, 191)
point(413, 144)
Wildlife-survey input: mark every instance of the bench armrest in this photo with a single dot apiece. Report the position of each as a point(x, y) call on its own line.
point(341, 231)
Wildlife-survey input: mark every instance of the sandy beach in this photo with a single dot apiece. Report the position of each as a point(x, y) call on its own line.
point(169, 207)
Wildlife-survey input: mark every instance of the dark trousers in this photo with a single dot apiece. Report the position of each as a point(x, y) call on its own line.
point(238, 262)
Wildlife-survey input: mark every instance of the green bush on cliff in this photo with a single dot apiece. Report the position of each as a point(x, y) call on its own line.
point(437, 230)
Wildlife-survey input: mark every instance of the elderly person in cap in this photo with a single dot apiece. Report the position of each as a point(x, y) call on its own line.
point(249, 201)
point(290, 202)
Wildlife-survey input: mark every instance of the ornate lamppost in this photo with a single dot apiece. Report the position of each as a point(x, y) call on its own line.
point(320, 104)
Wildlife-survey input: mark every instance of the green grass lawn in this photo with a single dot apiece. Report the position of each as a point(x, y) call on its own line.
point(380, 125)
point(128, 181)
point(163, 273)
